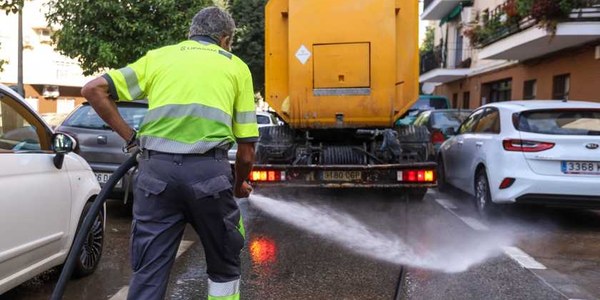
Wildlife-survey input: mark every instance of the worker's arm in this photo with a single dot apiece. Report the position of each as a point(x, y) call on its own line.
point(243, 166)
point(96, 93)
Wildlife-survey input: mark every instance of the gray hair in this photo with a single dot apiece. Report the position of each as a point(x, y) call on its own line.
point(213, 22)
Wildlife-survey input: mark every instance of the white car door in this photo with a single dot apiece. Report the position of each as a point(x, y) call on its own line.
point(35, 196)
point(456, 159)
point(478, 145)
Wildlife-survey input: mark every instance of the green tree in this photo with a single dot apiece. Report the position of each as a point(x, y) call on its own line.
point(110, 34)
point(429, 40)
point(249, 42)
point(11, 6)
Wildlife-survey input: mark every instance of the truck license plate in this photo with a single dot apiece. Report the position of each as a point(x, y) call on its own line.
point(581, 167)
point(342, 175)
point(103, 178)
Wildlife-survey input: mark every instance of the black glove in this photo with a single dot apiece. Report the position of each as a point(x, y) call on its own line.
point(132, 144)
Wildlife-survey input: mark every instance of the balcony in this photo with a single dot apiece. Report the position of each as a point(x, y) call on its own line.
point(511, 37)
point(438, 9)
point(433, 67)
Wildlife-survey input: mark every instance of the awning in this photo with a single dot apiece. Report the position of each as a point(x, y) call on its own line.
point(453, 14)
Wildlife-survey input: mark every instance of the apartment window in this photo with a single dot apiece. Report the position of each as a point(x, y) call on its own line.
point(466, 100)
point(455, 100)
point(529, 89)
point(561, 86)
point(498, 90)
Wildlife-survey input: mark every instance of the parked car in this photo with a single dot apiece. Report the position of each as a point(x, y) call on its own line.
point(99, 145)
point(541, 152)
point(45, 191)
point(264, 119)
point(441, 124)
point(425, 102)
point(54, 119)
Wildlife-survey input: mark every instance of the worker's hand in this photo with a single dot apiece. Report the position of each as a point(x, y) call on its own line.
point(243, 190)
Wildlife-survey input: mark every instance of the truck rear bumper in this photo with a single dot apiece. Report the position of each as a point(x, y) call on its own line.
point(410, 175)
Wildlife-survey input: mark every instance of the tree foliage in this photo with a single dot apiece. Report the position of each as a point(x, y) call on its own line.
point(11, 6)
point(110, 34)
point(428, 43)
point(249, 43)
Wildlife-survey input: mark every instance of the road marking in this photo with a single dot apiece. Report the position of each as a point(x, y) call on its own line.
point(183, 246)
point(524, 259)
point(471, 222)
point(122, 293)
point(447, 204)
point(475, 224)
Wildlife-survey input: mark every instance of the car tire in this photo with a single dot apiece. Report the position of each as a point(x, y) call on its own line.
point(91, 252)
point(483, 197)
point(442, 184)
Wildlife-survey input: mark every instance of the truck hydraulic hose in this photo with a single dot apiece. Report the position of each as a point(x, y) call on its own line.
point(87, 223)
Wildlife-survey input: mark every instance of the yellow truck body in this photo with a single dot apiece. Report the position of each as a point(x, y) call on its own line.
point(341, 63)
point(340, 73)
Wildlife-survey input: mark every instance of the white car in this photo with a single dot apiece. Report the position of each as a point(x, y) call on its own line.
point(540, 152)
point(45, 189)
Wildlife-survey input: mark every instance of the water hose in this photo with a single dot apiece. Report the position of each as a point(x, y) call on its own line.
point(82, 233)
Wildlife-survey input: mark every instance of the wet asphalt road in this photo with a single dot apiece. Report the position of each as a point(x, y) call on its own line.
point(447, 251)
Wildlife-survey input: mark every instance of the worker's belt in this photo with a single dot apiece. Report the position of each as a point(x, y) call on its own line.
point(213, 153)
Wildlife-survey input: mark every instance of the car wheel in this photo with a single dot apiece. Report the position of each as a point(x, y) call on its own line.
point(441, 172)
point(483, 197)
point(91, 252)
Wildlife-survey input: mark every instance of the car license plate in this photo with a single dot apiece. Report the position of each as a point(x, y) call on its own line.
point(342, 175)
point(581, 167)
point(103, 178)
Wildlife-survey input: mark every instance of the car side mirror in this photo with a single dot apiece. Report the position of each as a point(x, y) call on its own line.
point(61, 145)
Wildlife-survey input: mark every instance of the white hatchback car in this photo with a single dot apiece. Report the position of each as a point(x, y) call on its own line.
point(540, 152)
point(44, 193)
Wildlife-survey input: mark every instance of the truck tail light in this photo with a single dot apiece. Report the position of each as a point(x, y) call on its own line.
point(416, 176)
point(267, 175)
point(526, 145)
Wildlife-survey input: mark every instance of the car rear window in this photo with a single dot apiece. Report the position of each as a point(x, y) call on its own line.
point(430, 103)
point(560, 122)
point(449, 118)
point(86, 117)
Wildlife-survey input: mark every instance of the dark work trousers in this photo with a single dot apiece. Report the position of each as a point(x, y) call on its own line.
point(172, 190)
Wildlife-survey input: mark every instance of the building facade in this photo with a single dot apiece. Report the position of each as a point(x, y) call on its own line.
point(497, 50)
point(52, 82)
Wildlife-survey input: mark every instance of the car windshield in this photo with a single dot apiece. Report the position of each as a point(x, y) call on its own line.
point(449, 119)
point(560, 122)
point(86, 117)
point(430, 103)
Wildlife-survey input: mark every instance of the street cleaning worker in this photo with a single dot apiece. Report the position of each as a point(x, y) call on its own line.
point(201, 101)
